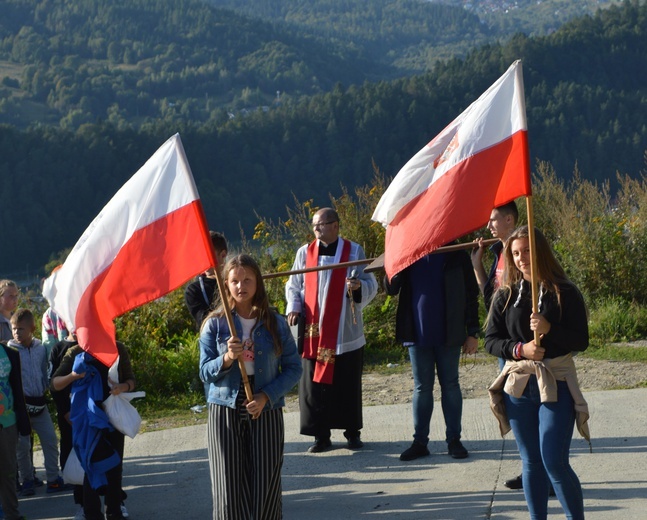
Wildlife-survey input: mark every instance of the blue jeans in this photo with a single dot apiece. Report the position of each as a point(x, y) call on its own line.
point(543, 433)
point(425, 361)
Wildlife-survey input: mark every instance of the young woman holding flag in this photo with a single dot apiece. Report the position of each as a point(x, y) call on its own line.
point(541, 401)
point(245, 437)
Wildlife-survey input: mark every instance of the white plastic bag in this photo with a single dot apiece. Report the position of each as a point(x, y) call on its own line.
point(73, 471)
point(123, 415)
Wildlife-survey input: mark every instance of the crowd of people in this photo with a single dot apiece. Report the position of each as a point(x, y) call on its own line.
point(30, 369)
point(251, 357)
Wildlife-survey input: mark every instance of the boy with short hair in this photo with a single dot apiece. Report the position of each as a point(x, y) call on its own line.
point(13, 421)
point(33, 360)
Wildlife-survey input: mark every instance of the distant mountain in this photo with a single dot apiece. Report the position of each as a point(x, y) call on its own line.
point(531, 17)
point(131, 62)
point(412, 35)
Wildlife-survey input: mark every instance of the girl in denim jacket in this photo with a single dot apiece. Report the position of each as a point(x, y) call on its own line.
point(245, 437)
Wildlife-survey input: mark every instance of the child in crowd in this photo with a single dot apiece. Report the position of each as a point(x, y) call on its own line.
point(14, 421)
point(245, 437)
point(8, 304)
point(33, 360)
point(99, 446)
point(53, 330)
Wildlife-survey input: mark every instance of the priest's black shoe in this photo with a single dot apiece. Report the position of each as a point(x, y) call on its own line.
point(320, 445)
point(355, 443)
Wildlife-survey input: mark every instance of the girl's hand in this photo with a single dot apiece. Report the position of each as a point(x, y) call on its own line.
point(532, 351)
point(234, 349)
point(539, 323)
point(255, 407)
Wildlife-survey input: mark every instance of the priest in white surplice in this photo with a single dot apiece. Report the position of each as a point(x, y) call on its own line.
point(331, 300)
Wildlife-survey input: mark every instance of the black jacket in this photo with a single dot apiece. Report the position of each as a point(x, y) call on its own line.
point(509, 324)
point(15, 380)
point(488, 290)
point(461, 301)
point(198, 301)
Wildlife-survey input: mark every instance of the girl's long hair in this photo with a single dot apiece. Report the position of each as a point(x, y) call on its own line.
point(260, 301)
point(549, 271)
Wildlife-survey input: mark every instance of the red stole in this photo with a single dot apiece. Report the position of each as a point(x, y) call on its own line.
point(320, 341)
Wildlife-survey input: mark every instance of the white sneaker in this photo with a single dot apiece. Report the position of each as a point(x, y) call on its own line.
point(80, 515)
point(124, 511)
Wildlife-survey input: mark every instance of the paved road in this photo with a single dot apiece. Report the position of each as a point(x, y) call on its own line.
point(167, 476)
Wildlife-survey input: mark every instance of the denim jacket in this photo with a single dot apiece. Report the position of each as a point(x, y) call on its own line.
point(275, 376)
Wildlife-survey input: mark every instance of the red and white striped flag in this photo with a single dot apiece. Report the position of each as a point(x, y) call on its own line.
point(449, 188)
point(147, 241)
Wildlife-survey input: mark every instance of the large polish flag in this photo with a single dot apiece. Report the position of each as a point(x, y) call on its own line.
point(479, 161)
point(147, 241)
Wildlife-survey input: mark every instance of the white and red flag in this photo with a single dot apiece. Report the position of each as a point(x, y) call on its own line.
point(147, 241)
point(479, 161)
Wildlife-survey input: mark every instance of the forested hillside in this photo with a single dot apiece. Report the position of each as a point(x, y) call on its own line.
point(409, 35)
point(66, 63)
point(70, 62)
point(531, 17)
point(586, 86)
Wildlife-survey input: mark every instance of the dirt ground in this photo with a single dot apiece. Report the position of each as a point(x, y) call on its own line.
point(395, 385)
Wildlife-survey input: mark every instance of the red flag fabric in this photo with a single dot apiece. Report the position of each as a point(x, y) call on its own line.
point(479, 161)
point(147, 241)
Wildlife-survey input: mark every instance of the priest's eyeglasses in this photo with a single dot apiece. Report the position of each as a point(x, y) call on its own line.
point(322, 224)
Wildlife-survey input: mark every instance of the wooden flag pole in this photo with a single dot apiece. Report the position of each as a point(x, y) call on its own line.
point(341, 265)
point(533, 262)
point(379, 261)
point(232, 328)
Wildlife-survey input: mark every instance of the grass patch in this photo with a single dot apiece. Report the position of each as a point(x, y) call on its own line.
point(172, 411)
point(616, 352)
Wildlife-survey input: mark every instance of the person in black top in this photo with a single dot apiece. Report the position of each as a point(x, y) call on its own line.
point(200, 294)
point(437, 319)
point(537, 393)
point(502, 222)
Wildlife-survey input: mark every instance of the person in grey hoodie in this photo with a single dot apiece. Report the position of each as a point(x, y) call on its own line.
point(33, 361)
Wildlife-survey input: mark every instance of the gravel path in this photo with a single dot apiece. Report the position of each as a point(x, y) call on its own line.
point(395, 385)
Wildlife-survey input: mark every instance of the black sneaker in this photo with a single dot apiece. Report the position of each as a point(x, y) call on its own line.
point(320, 445)
point(415, 451)
point(514, 483)
point(456, 449)
point(27, 488)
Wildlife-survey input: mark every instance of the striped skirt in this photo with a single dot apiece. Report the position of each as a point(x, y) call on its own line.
point(245, 460)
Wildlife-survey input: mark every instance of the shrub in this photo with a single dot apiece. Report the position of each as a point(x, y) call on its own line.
point(600, 240)
point(614, 320)
point(163, 345)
